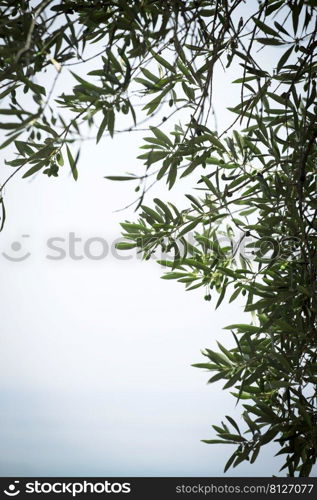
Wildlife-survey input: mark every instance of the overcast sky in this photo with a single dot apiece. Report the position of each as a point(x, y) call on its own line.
point(96, 352)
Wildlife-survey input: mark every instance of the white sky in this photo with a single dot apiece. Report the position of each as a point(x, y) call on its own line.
point(95, 355)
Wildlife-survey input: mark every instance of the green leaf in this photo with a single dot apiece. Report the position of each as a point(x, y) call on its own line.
point(102, 127)
point(162, 61)
point(269, 41)
point(216, 142)
point(72, 163)
point(152, 213)
point(229, 462)
point(33, 170)
point(265, 28)
point(244, 328)
point(125, 246)
point(216, 441)
point(233, 423)
point(150, 75)
point(222, 295)
point(111, 121)
point(173, 276)
point(189, 227)
point(121, 177)
point(283, 59)
point(165, 208)
point(233, 437)
point(160, 135)
point(235, 294)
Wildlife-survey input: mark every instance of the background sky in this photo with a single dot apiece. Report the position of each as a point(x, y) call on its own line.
point(96, 353)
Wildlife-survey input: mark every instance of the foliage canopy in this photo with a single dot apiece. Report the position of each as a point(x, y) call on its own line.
point(252, 211)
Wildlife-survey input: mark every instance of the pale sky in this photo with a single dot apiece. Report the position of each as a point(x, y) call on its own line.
point(95, 354)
